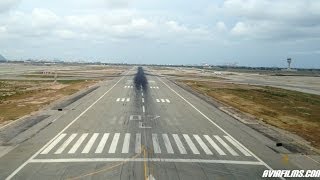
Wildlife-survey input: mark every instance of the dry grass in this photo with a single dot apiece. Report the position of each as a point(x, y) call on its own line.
point(19, 98)
point(290, 110)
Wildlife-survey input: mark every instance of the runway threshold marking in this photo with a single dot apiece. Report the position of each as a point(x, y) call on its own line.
point(61, 132)
point(193, 143)
point(208, 161)
point(215, 124)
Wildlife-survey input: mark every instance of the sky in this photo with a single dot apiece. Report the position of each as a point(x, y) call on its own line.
point(218, 32)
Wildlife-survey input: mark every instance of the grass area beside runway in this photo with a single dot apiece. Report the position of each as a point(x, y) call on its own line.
point(21, 97)
point(293, 111)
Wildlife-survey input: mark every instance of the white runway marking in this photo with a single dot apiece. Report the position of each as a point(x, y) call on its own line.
point(237, 146)
point(179, 144)
point(143, 100)
point(143, 109)
point(65, 144)
point(208, 161)
point(128, 99)
point(114, 143)
point(188, 139)
point(135, 118)
point(167, 143)
point(191, 145)
point(122, 100)
point(87, 148)
point(102, 143)
point(118, 99)
point(54, 143)
point(163, 100)
point(156, 146)
point(215, 124)
point(202, 144)
point(126, 143)
point(61, 132)
point(225, 145)
point(78, 143)
point(138, 143)
point(214, 145)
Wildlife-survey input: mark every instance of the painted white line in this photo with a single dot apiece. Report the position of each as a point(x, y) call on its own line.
point(157, 100)
point(142, 94)
point(65, 144)
point(162, 100)
point(167, 143)
point(208, 161)
point(78, 143)
point(125, 86)
point(114, 143)
point(118, 99)
point(138, 143)
point(237, 146)
point(214, 145)
point(157, 87)
point(143, 100)
point(102, 143)
point(128, 99)
point(225, 145)
point(179, 144)
point(142, 126)
point(191, 145)
point(135, 118)
point(87, 148)
point(143, 109)
point(156, 146)
point(203, 145)
point(122, 100)
point(53, 144)
point(215, 124)
point(167, 100)
point(126, 143)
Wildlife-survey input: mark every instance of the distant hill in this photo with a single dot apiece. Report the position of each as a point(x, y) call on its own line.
point(2, 58)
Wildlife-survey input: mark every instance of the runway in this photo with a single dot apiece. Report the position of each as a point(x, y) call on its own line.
point(125, 131)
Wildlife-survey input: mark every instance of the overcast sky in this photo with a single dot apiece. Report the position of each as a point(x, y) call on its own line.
point(247, 32)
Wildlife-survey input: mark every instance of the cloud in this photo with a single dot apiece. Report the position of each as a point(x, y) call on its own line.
point(221, 26)
point(6, 5)
point(100, 26)
point(274, 19)
point(43, 18)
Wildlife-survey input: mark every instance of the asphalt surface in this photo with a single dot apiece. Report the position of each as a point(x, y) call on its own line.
point(142, 128)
